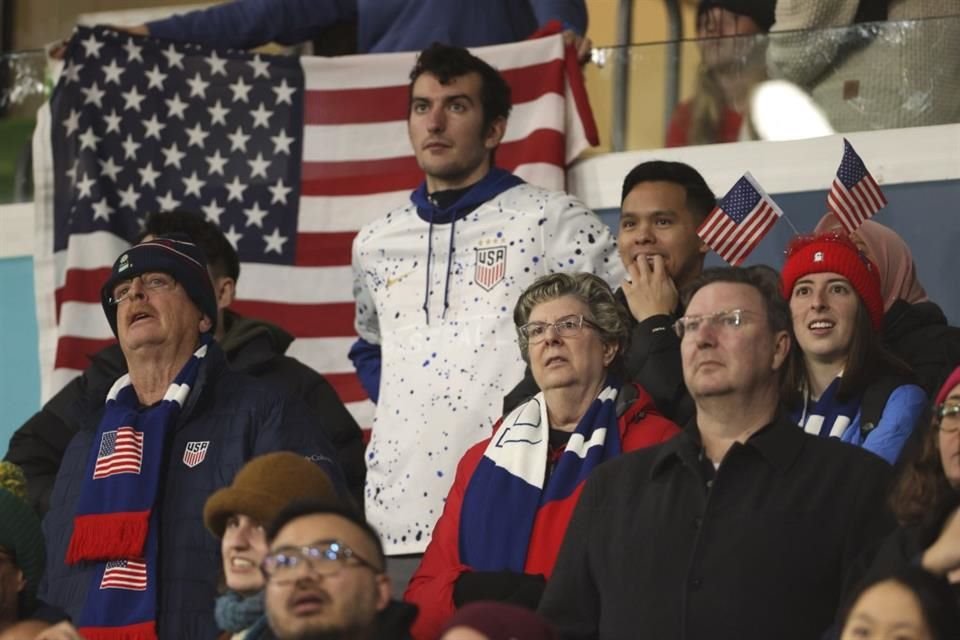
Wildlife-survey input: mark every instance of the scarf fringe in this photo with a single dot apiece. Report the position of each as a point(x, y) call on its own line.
point(141, 631)
point(107, 536)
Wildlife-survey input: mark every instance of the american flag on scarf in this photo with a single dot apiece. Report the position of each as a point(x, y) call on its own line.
point(289, 156)
point(738, 223)
point(125, 574)
point(854, 195)
point(121, 451)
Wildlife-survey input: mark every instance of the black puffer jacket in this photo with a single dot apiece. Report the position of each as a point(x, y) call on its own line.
point(920, 336)
point(251, 346)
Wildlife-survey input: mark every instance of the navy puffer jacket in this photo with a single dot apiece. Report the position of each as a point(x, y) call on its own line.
point(241, 418)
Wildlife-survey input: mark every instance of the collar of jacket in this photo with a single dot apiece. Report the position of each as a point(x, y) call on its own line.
point(778, 442)
point(491, 185)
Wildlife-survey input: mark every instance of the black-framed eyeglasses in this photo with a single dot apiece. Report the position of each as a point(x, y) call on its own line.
point(731, 319)
point(154, 281)
point(948, 414)
point(324, 558)
point(566, 327)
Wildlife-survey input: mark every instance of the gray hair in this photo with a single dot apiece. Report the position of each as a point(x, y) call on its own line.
point(610, 317)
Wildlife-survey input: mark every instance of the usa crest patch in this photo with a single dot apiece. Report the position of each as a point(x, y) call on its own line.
point(491, 266)
point(195, 452)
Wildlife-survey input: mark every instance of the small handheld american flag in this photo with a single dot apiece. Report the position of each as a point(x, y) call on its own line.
point(854, 195)
point(740, 221)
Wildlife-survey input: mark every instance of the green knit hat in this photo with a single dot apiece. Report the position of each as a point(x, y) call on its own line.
point(20, 532)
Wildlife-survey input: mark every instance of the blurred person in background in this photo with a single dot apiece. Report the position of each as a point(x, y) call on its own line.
point(380, 26)
point(732, 62)
point(843, 383)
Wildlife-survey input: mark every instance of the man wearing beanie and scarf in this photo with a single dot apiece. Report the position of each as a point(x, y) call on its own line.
point(127, 554)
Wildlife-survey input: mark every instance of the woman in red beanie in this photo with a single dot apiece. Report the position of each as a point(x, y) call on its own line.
point(842, 382)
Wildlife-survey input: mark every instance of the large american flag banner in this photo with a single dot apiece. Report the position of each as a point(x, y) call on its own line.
point(125, 574)
point(121, 451)
point(854, 195)
point(740, 221)
point(289, 156)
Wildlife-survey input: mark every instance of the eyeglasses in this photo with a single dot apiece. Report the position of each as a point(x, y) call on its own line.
point(721, 319)
point(566, 327)
point(150, 281)
point(949, 415)
point(325, 558)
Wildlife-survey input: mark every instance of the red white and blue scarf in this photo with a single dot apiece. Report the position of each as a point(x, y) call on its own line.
point(116, 525)
point(506, 499)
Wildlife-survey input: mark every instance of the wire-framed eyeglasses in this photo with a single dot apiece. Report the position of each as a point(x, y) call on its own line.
point(949, 417)
point(154, 281)
point(566, 327)
point(731, 319)
point(324, 558)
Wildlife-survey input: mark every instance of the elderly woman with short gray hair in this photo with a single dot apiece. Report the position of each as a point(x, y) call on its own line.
point(513, 495)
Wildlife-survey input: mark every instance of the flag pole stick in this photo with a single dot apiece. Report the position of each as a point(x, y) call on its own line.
point(790, 222)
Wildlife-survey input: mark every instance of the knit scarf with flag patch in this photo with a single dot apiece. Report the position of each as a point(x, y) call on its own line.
point(508, 505)
point(115, 525)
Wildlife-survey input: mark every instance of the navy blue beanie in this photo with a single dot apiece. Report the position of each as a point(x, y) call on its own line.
point(174, 254)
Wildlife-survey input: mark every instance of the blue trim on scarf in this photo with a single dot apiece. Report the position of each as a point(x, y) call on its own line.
point(124, 492)
point(506, 492)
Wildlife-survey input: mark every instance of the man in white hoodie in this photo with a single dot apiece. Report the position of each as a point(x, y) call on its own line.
point(434, 283)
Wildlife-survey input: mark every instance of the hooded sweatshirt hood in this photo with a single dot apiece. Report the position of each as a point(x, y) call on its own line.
point(490, 186)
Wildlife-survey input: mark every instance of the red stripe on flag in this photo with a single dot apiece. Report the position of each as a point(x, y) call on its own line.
point(347, 386)
point(81, 285)
point(355, 106)
point(75, 353)
point(366, 177)
point(324, 249)
point(389, 104)
point(329, 320)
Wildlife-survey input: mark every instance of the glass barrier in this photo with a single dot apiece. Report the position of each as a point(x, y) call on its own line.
point(868, 76)
point(23, 88)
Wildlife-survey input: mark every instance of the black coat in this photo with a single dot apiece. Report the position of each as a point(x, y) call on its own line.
point(661, 546)
point(652, 360)
point(919, 335)
point(251, 346)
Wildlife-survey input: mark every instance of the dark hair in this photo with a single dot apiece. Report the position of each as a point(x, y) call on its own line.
point(446, 63)
point(922, 495)
point(221, 256)
point(938, 603)
point(762, 278)
point(700, 199)
point(867, 360)
point(303, 508)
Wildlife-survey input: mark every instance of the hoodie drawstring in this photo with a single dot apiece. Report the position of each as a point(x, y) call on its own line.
point(426, 289)
point(446, 282)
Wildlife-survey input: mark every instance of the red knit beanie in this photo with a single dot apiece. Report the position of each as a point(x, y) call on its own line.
point(834, 253)
point(952, 380)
